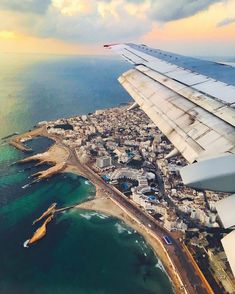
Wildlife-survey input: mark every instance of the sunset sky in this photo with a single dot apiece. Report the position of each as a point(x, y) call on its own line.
point(192, 27)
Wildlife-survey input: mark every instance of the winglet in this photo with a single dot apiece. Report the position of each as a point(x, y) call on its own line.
point(109, 45)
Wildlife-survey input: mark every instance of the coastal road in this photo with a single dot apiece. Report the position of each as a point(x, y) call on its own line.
point(192, 282)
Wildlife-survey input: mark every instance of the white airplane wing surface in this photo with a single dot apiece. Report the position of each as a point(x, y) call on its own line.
point(193, 103)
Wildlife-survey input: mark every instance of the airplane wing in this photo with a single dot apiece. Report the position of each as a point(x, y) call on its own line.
point(193, 103)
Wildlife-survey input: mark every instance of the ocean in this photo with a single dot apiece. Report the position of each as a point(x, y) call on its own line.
point(83, 252)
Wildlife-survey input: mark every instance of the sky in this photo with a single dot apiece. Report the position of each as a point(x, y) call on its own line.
point(189, 27)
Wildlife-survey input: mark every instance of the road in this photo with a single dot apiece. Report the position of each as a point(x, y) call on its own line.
point(184, 267)
point(192, 282)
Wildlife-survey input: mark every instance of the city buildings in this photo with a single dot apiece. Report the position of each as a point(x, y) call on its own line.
point(129, 151)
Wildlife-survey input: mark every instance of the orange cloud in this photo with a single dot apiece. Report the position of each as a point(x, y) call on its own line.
point(68, 25)
point(202, 26)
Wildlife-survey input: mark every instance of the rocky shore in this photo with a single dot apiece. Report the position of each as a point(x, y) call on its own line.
point(62, 159)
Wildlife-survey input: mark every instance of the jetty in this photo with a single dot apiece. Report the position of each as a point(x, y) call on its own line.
point(49, 211)
point(66, 208)
point(56, 156)
point(50, 171)
point(42, 230)
point(40, 233)
point(19, 140)
point(19, 145)
point(9, 136)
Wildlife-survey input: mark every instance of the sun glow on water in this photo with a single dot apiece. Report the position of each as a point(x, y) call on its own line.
point(85, 252)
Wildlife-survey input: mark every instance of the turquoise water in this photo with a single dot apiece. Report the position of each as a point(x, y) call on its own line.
point(83, 252)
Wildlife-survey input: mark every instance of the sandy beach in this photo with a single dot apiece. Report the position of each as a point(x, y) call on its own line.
point(64, 160)
point(107, 206)
point(104, 204)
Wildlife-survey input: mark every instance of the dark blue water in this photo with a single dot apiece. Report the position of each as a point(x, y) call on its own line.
point(35, 90)
point(83, 252)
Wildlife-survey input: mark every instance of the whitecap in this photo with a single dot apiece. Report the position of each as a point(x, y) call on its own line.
point(144, 245)
point(25, 186)
point(160, 266)
point(121, 229)
point(89, 215)
point(86, 215)
point(102, 216)
point(26, 244)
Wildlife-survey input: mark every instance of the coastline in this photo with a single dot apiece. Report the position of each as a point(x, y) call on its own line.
point(107, 206)
point(56, 156)
point(18, 140)
point(59, 156)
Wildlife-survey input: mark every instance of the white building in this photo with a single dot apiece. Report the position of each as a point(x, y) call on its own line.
point(103, 162)
point(84, 117)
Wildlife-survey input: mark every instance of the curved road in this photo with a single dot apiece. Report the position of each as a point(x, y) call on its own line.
point(192, 282)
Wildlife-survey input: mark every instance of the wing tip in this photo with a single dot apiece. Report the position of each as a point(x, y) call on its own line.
point(109, 46)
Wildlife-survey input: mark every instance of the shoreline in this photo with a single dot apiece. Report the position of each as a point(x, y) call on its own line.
point(102, 202)
point(18, 140)
point(56, 156)
point(181, 272)
point(107, 206)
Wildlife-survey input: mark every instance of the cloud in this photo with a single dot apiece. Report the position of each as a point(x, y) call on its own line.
point(103, 22)
point(34, 6)
point(74, 7)
point(87, 21)
point(168, 10)
point(82, 21)
point(226, 21)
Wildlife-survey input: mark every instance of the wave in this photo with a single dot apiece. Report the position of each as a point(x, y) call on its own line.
point(121, 229)
point(160, 266)
point(26, 244)
point(25, 186)
point(89, 215)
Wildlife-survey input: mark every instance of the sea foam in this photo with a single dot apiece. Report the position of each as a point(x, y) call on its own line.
point(160, 266)
point(121, 229)
point(89, 215)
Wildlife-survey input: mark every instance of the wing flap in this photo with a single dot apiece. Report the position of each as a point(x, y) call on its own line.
point(220, 109)
point(188, 126)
